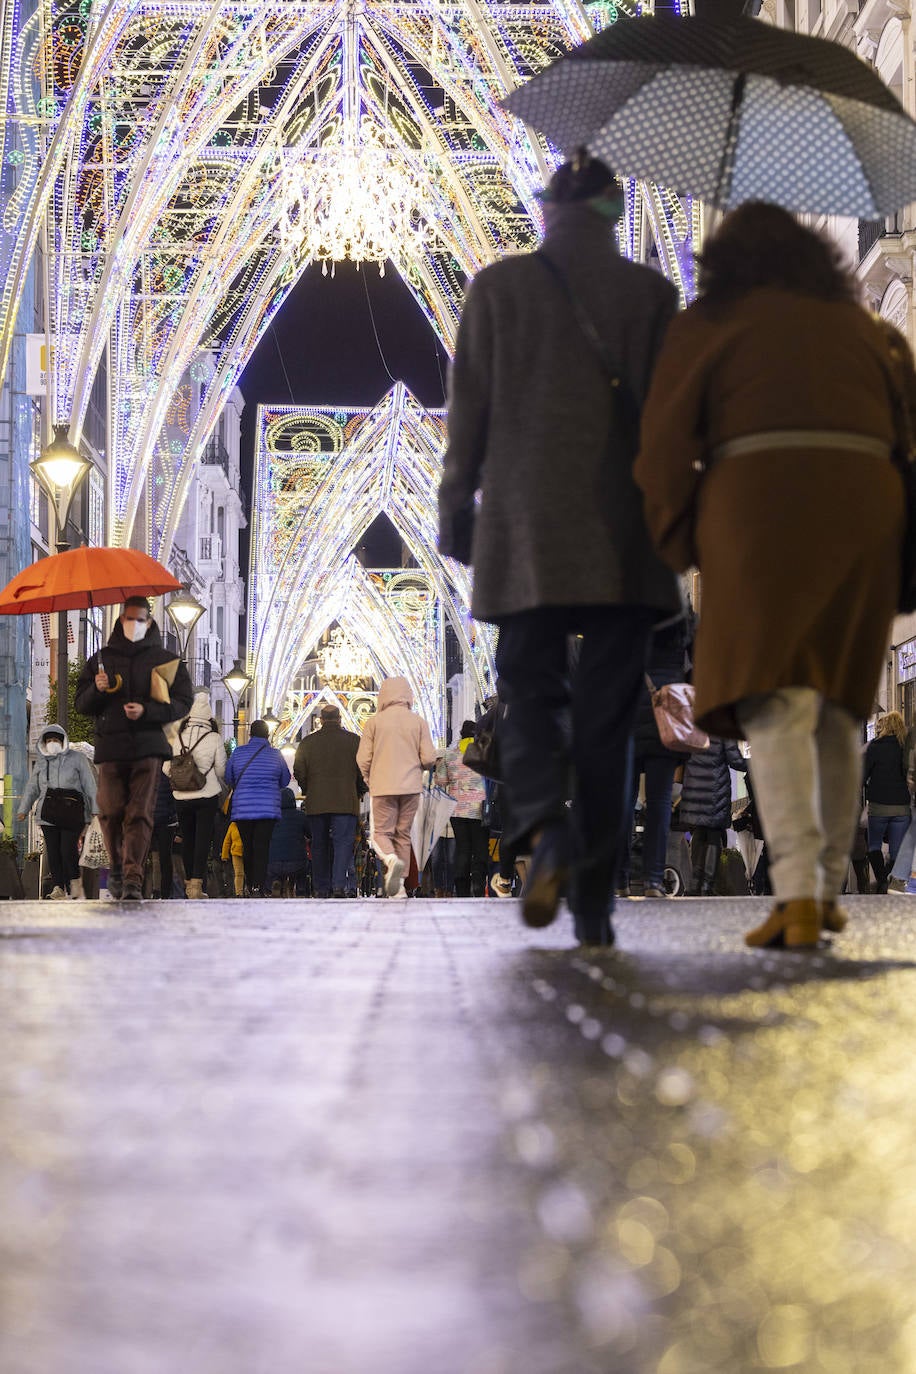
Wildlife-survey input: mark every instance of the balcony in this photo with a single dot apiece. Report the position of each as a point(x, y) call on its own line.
point(215, 454)
point(871, 230)
point(211, 553)
point(201, 672)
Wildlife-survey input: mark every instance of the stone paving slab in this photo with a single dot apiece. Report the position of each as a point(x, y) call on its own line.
point(288, 1137)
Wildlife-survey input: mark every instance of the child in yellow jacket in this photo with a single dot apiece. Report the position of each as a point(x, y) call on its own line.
point(232, 848)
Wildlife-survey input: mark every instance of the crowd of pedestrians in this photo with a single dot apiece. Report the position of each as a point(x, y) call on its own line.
point(599, 443)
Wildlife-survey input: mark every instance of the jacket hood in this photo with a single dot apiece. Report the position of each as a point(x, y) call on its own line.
point(52, 732)
point(118, 640)
point(201, 709)
point(395, 691)
point(287, 799)
point(577, 222)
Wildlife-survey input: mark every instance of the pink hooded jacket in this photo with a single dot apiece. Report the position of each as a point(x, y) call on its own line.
point(396, 745)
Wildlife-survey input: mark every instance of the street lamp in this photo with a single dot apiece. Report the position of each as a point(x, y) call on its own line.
point(270, 720)
point(235, 683)
point(60, 470)
point(184, 611)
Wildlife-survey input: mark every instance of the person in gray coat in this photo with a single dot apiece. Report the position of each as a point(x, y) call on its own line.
point(552, 363)
point(62, 769)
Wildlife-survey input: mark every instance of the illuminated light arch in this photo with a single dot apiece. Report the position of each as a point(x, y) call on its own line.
point(171, 127)
point(322, 476)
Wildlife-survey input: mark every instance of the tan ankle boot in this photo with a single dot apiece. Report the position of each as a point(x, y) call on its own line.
point(193, 889)
point(792, 925)
point(833, 917)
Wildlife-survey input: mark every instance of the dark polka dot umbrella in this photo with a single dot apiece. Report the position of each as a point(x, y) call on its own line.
point(728, 110)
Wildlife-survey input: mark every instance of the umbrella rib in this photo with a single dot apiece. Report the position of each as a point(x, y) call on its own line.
point(727, 162)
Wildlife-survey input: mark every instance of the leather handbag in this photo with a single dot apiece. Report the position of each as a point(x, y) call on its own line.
point(672, 706)
point(482, 755)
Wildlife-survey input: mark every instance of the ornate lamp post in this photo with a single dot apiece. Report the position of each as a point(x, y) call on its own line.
point(184, 611)
point(236, 682)
point(60, 470)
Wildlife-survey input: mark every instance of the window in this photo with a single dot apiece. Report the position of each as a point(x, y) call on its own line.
point(220, 618)
point(221, 523)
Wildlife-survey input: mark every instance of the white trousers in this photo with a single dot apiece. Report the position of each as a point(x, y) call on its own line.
point(806, 770)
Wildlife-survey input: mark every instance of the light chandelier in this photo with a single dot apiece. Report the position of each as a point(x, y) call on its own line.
point(360, 198)
point(344, 666)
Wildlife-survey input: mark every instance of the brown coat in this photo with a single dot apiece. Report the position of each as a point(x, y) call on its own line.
point(799, 548)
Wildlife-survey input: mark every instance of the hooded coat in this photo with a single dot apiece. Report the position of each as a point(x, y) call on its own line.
point(396, 745)
point(325, 768)
point(130, 668)
point(288, 851)
point(196, 734)
point(535, 425)
point(69, 769)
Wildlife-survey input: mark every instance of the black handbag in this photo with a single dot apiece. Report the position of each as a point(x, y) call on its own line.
point(64, 808)
point(482, 755)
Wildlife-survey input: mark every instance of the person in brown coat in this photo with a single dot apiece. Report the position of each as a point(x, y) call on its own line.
point(765, 461)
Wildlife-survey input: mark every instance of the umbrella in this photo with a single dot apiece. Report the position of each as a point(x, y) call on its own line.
point(433, 815)
point(730, 109)
point(85, 577)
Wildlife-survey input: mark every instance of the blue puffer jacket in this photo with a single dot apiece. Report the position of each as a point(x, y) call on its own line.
point(287, 843)
point(257, 795)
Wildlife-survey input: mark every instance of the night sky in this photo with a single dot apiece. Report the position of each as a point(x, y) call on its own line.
point(325, 336)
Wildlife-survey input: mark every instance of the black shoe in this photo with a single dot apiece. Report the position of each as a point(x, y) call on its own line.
point(338, 892)
point(115, 884)
point(133, 892)
point(547, 878)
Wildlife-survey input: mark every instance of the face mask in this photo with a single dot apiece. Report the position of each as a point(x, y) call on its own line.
point(135, 630)
point(53, 747)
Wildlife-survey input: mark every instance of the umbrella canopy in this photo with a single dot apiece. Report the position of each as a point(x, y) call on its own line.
point(730, 109)
point(433, 815)
point(85, 577)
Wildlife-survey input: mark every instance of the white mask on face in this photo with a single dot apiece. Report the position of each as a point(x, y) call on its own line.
point(53, 747)
point(135, 630)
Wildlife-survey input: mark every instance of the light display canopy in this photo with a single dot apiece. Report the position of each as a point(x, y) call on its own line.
point(323, 474)
point(183, 163)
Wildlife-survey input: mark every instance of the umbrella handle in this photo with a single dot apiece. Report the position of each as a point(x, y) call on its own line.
point(727, 163)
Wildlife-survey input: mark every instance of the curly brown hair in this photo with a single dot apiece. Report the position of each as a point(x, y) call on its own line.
point(763, 245)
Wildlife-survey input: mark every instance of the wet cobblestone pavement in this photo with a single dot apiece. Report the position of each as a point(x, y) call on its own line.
point(335, 1138)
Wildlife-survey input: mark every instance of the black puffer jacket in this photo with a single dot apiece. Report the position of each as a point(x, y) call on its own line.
point(668, 662)
point(130, 669)
point(706, 796)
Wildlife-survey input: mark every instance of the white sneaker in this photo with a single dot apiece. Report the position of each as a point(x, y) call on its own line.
point(57, 894)
point(500, 887)
point(394, 872)
point(76, 890)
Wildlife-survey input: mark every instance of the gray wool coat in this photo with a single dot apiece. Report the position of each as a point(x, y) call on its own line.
point(533, 427)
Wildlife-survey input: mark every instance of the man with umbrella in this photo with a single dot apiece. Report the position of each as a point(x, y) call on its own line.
point(133, 687)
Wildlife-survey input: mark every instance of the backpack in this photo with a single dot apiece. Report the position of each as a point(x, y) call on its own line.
point(184, 774)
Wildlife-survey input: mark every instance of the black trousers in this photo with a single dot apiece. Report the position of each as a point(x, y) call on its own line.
point(163, 843)
point(195, 821)
point(256, 848)
point(62, 853)
point(567, 734)
point(472, 856)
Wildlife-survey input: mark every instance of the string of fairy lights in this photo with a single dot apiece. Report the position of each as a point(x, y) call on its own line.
point(189, 160)
point(182, 162)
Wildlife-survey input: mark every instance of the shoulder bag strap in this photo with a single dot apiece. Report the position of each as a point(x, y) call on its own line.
point(583, 319)
point(248, 761)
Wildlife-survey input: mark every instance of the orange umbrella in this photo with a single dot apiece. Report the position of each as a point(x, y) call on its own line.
point(80, 578)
